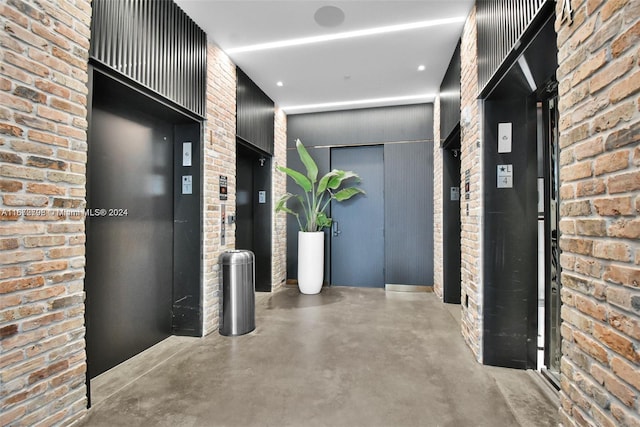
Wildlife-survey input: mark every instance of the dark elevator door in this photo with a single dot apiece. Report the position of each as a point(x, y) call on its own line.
point(129, 234)
point(253, 211)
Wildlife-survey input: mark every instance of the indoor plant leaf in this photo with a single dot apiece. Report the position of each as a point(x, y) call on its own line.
point(311, 214)
point(324, 182)
point(347, 193)
point(323, 220)
point(339, 177)
point(307, 160)
point(299, 178)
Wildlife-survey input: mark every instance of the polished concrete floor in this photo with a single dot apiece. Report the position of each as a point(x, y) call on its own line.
point(346, 357)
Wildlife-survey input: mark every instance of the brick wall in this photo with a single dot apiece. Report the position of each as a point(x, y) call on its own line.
point(279, 187)
point(438, 256)
point(219, 159)
point(599, 105)
point(43, 143)
point(471, 209)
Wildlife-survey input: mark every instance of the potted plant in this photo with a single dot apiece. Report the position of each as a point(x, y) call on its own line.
point(312, 218)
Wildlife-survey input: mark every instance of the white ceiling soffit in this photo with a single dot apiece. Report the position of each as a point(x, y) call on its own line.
point(347, 72)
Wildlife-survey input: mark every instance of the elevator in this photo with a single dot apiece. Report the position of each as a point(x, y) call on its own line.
point(451, 233)
point(521, 255)
point(254, 210)
point(143, 222)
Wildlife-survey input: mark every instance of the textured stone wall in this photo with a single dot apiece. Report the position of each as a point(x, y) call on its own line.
point(599, 103)
point(279, 188)
point(219, 159)
point(471, 208)
point(438, 255)
point(43, 145)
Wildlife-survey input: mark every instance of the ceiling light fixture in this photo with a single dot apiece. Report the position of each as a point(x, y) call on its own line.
point(279, 84)
point(347, 35)
point(423, 97)
point(421, 68)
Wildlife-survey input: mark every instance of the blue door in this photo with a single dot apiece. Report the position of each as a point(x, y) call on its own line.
point(357, 234)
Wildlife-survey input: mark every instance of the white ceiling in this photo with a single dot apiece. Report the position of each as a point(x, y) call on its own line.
point(363, 68)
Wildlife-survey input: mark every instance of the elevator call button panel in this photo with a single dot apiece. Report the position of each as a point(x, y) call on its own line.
point(187, 184)
point(505, 176)
point(186, 154)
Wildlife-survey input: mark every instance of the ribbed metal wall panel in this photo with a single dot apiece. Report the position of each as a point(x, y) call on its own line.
point(408, 213)
point(154, 43)
point(501, 24)
point(450, 97)
point(365, 126)
point(255, 114)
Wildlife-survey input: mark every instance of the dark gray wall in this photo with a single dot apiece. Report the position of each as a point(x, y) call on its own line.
point(384, 125)
point(362, 126)
point(155, 44)
point(408, 213)
point(255, 114)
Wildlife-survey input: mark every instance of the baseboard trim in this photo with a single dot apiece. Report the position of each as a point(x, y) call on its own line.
point(407, 288)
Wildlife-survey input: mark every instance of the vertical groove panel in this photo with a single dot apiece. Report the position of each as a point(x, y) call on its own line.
point(255, 114)
point(450, 97)
point(408, 216)
point(500, 27)
point(154, 43)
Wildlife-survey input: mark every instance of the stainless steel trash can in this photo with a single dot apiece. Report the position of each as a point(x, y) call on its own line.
point(238, 301)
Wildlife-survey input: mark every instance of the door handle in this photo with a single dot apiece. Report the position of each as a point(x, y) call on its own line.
point(336, 229)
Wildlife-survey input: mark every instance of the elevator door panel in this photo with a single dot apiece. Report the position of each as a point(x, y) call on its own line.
point(357, 242)
point(129, 242)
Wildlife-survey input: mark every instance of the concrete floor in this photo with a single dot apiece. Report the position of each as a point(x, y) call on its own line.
point(346, 357)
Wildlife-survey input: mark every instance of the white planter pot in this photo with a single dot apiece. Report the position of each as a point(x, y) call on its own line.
point(310, 261)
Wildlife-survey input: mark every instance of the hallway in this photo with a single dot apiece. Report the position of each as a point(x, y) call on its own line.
point(346, 357)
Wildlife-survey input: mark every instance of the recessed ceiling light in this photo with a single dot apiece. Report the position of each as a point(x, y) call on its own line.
point(279, 84)
point(329, 16)
point(348, 35)
point(424, 97)
point(421, 68)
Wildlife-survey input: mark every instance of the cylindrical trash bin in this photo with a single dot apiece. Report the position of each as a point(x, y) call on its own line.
point(237, 283)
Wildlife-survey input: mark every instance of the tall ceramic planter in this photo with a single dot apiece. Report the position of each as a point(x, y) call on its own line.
point(310, 261)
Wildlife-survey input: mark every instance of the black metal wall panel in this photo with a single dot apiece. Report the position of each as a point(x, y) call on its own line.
point(450, 97)
point(187, 225)
point(255, 114)
point(154, 43)
point(510, 237)
point(451, 224)
point(501, 25)
point(408, 213)
point(362, 126)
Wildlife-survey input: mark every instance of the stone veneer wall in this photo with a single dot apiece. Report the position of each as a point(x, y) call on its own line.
point(279, 188)
point(599, 81)
point(219, 159)
point(438, 249)
point(471, 209)
point(43, 145)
